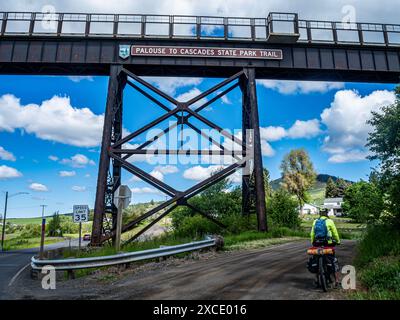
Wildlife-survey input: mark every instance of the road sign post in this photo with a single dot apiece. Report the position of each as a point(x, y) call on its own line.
point(122, 199)
point(80, 235)
point(80, 214)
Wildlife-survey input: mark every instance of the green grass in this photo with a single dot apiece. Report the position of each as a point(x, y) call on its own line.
point(378, 264)
point(248, 236)
point(17, 243)
point(23, 221)
point(261, 243)
point(379, 241)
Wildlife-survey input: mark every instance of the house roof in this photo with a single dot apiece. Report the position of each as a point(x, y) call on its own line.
point(333, 200)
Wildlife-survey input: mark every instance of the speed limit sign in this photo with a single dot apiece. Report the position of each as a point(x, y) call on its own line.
point(81, 213)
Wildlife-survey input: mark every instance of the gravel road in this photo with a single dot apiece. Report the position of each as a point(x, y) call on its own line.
point(276, 272)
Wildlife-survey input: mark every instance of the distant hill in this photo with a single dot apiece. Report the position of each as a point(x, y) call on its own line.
point(317, 191)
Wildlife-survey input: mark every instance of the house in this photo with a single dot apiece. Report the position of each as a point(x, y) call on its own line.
point(309, 209)
point(334, 205)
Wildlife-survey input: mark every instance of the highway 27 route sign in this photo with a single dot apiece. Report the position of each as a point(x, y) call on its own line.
point(81, 213)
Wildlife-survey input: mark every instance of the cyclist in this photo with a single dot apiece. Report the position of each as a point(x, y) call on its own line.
point(324, 233)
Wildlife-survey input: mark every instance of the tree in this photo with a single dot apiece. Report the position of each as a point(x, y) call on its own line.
point(54, 227)
point(336, 189)
point(267, 183)
point(341, 186)
point(298, 174)
point(363, 202)
point(331, 189)
point(282, 210)
point(384, 144)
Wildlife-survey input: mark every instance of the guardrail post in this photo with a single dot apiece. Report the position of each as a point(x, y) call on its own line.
point(71, 274)
point(4, 24)
point(253, 29)
point(32, 23)
point(143, 27)
point(171, 27)
point(226, 31)
point(115, 25)
point(360, 33)
point(87, 25)
point(309, 33)
point(60, 24)
point(385, 35)
point(296, 23)
point(334, 32)
point(198, 27)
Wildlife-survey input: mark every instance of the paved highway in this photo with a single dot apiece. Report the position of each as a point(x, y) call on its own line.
point(14, 263)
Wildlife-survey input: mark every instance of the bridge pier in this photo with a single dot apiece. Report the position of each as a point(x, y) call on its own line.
point(249, 158)
point(253, 189)
point(112, 130)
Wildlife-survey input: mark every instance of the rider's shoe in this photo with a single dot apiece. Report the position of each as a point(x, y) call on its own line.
point(337, 285)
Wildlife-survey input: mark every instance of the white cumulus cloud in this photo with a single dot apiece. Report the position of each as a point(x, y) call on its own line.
point(78, 188)
point(9, 173)
point(67, 174)
point(304, 129)
point(38, 187)
point(346, 122)
point(78, 161)
point(302, 87)
point(145, 190)
point(170, 85)
point(199, 173)
point(6, 155)
point(53, 120)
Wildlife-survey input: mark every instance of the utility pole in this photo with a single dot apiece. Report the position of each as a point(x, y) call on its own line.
point(4, 223)
point(5, 216)
point(43, 232)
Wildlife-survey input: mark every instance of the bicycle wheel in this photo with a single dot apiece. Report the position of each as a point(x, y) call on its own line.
point(322, 277)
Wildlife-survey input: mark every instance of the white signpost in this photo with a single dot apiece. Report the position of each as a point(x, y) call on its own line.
point(80, 214)
point(122, 199)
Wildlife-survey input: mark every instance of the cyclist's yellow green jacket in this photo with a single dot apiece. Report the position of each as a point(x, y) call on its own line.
point(332, 231)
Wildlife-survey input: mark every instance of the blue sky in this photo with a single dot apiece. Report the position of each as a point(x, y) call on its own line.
point(56, 162)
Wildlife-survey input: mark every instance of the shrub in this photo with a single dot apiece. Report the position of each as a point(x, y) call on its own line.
point(363, 202)
point(54, 228)
point(195, 227)
point(382, 274)
point(379, 240)
point(31, 231)
point(282, 210)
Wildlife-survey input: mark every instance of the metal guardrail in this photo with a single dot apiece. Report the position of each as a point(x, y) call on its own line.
point(123, 258)
point(196, 27)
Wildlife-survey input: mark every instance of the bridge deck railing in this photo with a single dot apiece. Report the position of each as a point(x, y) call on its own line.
point(196, 27)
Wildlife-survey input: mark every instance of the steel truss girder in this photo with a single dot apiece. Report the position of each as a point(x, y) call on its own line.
point(113, 148)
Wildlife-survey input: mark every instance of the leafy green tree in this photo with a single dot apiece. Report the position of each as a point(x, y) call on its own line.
point(341, 186)
point(298, 174)
point(54, 228)
point(384, 144)
point(331, 189)
point(282, 210)
point(363, 202)
point(267, 183)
